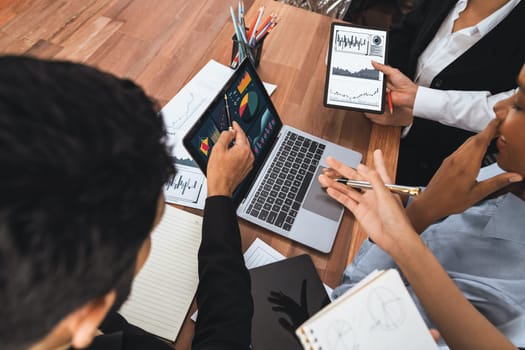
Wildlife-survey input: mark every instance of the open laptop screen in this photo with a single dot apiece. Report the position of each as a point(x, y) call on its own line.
point(251, 107)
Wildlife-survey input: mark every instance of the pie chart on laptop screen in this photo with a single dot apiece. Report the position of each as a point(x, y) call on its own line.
point(248, 106)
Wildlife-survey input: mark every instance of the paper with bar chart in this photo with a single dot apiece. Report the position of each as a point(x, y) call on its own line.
point(351, 80)
point(188, 186)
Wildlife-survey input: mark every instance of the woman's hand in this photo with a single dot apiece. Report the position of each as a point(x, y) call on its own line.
point(403, 92)
point(454, 187)
point(378, 211)
point(402, 116)
point(403, 89)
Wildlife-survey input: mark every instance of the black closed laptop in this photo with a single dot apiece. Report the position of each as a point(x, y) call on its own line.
point(285, 294)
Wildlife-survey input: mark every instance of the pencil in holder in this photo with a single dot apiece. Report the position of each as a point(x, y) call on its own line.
point(253, 52)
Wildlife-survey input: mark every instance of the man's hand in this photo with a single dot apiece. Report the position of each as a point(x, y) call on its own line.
point(228, 166)
point(454, 188)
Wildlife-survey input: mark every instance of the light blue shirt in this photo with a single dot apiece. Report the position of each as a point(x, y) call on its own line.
point(483, 252)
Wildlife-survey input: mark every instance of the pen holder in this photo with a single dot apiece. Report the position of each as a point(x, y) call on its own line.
point(253, 52)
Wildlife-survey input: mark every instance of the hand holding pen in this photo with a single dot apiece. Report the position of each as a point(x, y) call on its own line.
point(402, 89)
point(365, 185)
point(342, 174)
point(400, 97)
point(378, 211)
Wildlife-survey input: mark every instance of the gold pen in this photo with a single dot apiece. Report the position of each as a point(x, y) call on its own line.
point(412, 191)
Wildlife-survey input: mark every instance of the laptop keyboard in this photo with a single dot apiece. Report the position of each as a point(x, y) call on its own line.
point(284, 186)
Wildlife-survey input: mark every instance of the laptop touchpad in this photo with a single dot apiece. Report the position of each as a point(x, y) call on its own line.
point(319, 202)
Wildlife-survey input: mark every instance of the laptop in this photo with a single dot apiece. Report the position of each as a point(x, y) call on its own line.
point(281, 193)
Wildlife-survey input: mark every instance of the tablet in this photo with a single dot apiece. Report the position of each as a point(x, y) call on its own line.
point(351, 80)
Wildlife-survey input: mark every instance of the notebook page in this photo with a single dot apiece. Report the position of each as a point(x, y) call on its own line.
point(163, 290)
point(380, 315)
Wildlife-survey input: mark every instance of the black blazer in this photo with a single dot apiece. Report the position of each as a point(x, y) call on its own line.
point(223, 296)
point(492, 64)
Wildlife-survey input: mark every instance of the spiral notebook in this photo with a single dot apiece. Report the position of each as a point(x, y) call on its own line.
point(376, 314)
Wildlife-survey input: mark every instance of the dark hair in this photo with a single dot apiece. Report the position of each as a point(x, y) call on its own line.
point(83, 158)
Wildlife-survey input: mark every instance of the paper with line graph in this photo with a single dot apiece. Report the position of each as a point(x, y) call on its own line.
point(188, 186)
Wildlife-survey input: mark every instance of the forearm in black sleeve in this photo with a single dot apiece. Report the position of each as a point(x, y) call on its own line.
point(223, 296)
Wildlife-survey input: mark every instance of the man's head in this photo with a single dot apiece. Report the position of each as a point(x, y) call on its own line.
point(511, 142)
point(82, 163)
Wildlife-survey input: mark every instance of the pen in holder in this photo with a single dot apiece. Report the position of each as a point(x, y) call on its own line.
point(252, 51)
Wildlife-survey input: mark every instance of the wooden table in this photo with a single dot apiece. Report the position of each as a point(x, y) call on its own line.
point(161, 44)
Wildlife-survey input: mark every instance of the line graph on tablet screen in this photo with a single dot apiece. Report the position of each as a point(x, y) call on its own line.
point(352, 80)
point(369, 98)
point(360, 93)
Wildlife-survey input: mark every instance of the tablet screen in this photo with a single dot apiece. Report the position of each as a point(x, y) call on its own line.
point(251, 107)
point(351, 80)
point(248, 104)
